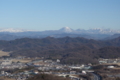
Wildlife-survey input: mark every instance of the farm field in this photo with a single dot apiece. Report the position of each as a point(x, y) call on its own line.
point(5, 78)
point(2, 53)
point(22, 60)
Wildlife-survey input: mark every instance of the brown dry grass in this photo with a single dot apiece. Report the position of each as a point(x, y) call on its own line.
point(5, 78)
point(111, 64)
point(118, 64)
point(21, 60)
point(2, 53)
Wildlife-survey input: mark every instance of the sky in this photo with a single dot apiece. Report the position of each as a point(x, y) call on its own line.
point(54, 14)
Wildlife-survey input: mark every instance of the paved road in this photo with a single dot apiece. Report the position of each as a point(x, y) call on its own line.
point(96, 77)
point(75, 78)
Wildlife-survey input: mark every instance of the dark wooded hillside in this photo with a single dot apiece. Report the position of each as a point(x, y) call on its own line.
point(68, 50)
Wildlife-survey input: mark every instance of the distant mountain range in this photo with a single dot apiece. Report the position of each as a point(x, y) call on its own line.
point(97, 33)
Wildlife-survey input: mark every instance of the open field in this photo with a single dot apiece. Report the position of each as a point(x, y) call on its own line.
point(111, 64)
point(5, 78)
point(118, 64)
point(2, 53)
point(22, 60)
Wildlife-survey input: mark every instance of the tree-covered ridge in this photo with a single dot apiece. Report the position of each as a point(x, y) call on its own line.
point(68, 50)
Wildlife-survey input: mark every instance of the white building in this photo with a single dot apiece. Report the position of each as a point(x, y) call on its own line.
point(6, 62)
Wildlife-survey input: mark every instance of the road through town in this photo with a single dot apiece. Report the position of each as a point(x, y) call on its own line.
point(96, 77)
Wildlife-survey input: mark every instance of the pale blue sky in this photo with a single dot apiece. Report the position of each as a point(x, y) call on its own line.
point(55, 14)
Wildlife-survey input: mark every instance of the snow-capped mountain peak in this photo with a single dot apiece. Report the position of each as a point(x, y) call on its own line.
point(66, 29)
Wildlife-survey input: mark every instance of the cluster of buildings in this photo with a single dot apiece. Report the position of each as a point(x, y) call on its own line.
point(40, 66)
point(8, 64)
point(101, 61)
point(46, 65)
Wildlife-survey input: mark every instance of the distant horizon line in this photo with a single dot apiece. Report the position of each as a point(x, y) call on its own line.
point(56, 29)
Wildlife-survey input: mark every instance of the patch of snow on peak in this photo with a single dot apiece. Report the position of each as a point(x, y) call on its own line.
point(66, 29)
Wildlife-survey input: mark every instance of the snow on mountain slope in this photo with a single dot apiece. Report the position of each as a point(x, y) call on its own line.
point(96, 33)
point(99, 31)
point(11, 30)
point(66, 29)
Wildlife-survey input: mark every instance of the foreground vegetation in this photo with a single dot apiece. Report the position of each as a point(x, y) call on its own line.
point(47, 77)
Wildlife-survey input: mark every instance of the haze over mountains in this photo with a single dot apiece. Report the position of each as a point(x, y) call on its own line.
point(97, 33)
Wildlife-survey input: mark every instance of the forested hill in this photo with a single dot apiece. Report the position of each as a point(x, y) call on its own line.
point(69, 50)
